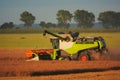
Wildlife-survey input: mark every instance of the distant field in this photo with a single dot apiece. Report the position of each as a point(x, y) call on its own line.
point(23, 41)
point(40, 30)
point(40, 41)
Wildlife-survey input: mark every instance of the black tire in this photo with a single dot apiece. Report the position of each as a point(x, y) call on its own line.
point(83, 56)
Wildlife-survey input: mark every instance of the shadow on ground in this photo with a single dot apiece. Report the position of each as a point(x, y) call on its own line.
point(46, 73)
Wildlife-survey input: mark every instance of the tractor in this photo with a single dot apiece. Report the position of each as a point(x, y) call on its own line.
point(70, 47)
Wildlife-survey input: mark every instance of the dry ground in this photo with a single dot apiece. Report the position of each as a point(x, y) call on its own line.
point(107, 75)
point(14, 67)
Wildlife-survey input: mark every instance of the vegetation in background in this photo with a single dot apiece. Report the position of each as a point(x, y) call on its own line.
point(27, 18)
point(7, 25)
point(43, 24)
point(110, 19)
point(56, 30)
point(84, 18)
point(64, 17)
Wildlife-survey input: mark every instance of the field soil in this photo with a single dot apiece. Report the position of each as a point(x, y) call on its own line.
point(13, 66)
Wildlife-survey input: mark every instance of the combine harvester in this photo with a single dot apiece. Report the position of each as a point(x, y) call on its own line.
point(70, 47)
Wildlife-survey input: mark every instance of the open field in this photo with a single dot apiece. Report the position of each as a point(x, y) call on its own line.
point(12, 63)
point(14, 67)
point(39, 41)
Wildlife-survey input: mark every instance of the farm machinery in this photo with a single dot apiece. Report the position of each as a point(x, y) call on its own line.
point(70, 47)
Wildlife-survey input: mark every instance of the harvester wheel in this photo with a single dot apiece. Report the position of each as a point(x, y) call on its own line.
point(94, 55)
point(83, 56)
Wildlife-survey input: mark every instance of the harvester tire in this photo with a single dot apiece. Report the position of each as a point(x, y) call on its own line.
point(83, 56)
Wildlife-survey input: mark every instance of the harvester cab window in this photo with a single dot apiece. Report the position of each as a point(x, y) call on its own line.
point(55, 43)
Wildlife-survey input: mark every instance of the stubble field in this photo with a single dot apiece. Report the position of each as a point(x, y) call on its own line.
point(13, 64)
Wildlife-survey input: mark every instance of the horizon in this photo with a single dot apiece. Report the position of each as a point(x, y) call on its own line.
point(72, 25)
point(46, 10)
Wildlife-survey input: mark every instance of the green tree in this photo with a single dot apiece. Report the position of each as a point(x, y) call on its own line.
point(6, 25)
point(47, 25)
point(64, 17)
point(110, 19)
point(27, 18)
point(42, 24)
point(84, 18)
point(117, 20)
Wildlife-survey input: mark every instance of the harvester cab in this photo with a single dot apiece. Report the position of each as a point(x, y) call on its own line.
point(55, 43)
point(61, 42)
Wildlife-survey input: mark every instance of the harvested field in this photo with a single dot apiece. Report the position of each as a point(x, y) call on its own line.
point(12, 63)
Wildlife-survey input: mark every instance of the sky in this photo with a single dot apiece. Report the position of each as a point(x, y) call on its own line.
point(46, 10)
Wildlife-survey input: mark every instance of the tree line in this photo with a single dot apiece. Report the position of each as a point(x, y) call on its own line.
point(83, 19)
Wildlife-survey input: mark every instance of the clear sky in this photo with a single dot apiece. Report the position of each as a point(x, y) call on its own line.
point(45, 10)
